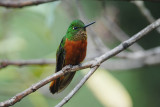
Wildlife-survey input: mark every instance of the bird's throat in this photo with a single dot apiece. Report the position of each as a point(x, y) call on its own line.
point(81, 35)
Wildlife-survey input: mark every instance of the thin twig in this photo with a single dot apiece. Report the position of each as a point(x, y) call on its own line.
point(5, 63)
point(22, 3)
point(116, 30)
point(140, 54)
point(91, 64)
point(145, 12)
point(124, 64)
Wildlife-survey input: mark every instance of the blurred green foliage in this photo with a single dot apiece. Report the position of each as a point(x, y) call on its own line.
point(35, 32)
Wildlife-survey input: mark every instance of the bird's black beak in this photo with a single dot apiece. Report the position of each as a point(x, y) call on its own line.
point(89, 24)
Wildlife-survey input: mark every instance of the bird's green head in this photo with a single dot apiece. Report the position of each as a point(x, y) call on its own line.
point(77, 30)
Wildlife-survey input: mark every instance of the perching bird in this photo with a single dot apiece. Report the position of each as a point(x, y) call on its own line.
point(71, 51)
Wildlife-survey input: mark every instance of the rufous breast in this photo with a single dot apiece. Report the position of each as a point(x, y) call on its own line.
point(75, 51)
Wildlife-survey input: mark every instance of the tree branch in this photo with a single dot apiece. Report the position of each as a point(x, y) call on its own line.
point(5, 63)
point(94, 64)
point(22, 3)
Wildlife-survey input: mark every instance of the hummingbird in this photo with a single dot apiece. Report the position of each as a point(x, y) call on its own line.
point(71, 51)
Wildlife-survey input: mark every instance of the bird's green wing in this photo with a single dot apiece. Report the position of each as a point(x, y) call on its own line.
point(60, 56)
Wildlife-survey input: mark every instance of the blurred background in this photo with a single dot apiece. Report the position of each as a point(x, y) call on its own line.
point(131, 79)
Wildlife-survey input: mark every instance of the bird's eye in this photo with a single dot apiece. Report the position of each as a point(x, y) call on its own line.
point(75, 28)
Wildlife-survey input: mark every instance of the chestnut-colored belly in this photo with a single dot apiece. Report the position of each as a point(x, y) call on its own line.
point(75, 51)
